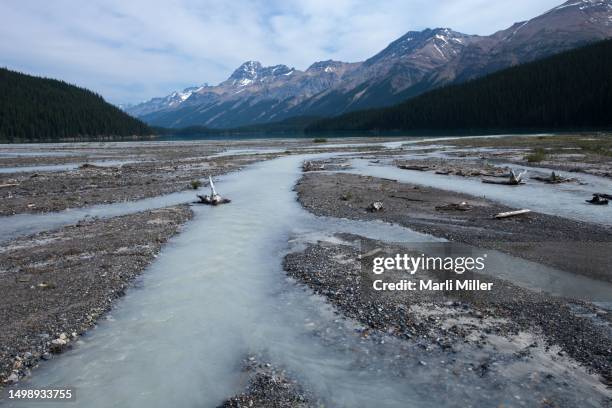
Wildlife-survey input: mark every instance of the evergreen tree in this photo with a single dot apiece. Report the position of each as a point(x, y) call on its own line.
point(41, 109)
point(571, 90)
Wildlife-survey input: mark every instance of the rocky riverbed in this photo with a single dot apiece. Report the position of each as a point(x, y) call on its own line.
point(55, 285)
point(269, 387)
point(554, 241)
point(588, 153)
point(491, 340)
point(557, 338)
point(89, 184)
point(115, 172)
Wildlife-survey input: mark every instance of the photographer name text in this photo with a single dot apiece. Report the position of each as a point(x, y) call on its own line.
point(431, 285)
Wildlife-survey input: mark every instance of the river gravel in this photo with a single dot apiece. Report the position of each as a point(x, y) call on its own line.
point(55, 285)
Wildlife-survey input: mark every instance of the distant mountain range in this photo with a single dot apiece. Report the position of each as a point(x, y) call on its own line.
point(411, 65)
point(571, 90)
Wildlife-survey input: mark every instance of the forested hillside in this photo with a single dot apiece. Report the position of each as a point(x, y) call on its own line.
point(571, 90)
point(41, 109)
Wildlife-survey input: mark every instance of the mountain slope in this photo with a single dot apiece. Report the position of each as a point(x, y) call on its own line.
point(570, 25)
point(570, 90)
point(41, 109)
point(252, 94)
point(414, 63)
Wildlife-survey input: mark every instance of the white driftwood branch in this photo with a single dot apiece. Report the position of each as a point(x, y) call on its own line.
point(214, 198)
point(511, 213)
point(514, 180)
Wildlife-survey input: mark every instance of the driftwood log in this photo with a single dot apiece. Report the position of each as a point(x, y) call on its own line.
point(214, 198)
point(599, 199)
point(413, 167)
point(553, 179)
point(499, 175)
point(312, 166)
point(511, 213)
point(514, 180)
point(602, 195)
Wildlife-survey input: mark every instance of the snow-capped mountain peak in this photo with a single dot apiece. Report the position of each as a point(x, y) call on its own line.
point(245, 73)
point(435, 44)
point(584, 4)
point(253, 72)
point(328, 66)
point(177, 97)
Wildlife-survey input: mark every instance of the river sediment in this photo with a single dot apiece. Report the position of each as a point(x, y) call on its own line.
point(88, 184)
point(575, 246)
point(218, 291)
point(544, 331)
point(450, 319)
point(269, 387)
point(55, 285)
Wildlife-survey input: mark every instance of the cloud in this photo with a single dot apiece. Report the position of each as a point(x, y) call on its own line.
point(133, 50)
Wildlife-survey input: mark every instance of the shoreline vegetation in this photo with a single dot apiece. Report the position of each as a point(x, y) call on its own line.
point(35, 108)
point(203, 134)
point(572, 89)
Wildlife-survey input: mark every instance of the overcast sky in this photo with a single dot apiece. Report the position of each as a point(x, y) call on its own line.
point(132, 50)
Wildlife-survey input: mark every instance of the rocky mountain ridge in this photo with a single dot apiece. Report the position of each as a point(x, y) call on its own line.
point(412, 64)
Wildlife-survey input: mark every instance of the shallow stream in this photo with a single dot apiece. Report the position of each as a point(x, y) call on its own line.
point(217, 293)
point(63, 167)
point(566, 200)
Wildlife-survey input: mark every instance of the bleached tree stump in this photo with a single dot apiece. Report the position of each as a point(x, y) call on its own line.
point(214, 198)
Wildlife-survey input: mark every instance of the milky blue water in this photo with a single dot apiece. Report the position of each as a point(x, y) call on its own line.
point(218, 292)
